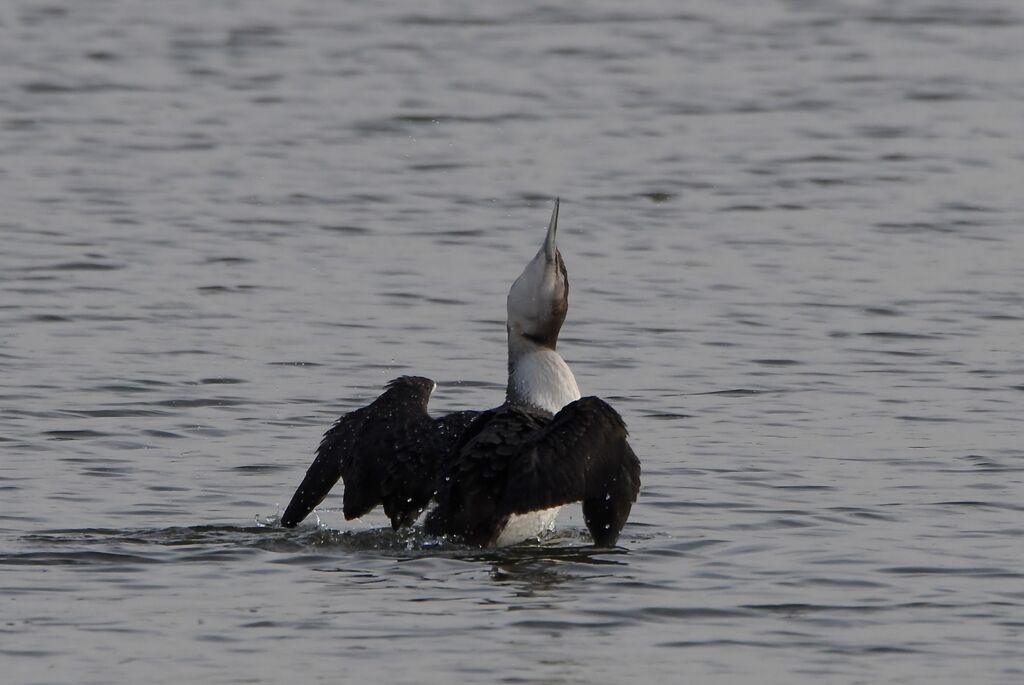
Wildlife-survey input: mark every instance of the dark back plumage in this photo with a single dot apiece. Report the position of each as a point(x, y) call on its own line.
point(482, 467)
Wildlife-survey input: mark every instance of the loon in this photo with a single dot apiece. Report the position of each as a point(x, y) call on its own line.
point(498, 476)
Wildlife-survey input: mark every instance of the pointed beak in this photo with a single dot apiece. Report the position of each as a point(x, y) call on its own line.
point(550, 249)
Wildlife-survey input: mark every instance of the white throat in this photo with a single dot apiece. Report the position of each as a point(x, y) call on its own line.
point(539, 377)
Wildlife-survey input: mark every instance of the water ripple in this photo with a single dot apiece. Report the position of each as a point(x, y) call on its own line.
point(793, 238)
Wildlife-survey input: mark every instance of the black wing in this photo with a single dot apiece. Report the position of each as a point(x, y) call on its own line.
point(332, 456)
point(582, 455)
point(386, 453)
point(477, 474)
point(411, 467)
point(511, 461)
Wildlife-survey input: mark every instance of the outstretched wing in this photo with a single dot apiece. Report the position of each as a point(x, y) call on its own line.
point(386, 453)
point(512, 461)
point(582, 455)
point(333, 458)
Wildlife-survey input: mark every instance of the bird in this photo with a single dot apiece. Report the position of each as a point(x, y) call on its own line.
point(496, 477)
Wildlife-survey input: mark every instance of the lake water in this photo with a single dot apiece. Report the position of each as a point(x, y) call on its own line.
point(794, 236)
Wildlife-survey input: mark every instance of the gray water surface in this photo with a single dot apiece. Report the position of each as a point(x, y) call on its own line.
point(794, 237)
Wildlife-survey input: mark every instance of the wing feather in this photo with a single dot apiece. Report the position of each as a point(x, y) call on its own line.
point(387, 453)
point(334, 457)
point(513, 461)
point(582, 455)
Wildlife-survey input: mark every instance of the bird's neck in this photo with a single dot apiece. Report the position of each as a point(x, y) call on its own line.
point(538, 377)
